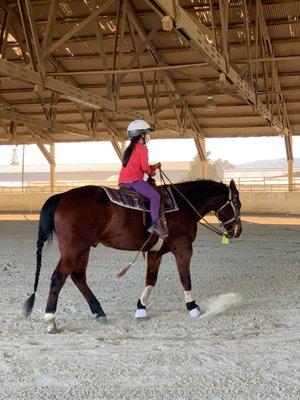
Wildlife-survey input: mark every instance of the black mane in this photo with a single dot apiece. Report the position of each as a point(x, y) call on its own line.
point(202, 186)
point(199, 192)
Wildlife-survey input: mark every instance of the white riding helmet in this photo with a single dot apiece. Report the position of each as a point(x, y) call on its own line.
point(138, 127)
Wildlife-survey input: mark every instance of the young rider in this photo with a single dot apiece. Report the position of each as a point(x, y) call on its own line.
point(135, 164)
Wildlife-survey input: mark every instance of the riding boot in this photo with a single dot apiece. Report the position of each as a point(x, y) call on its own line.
point(151, 227)
point(159, 227)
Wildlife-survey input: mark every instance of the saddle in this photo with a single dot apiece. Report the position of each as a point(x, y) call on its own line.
point(129, 198)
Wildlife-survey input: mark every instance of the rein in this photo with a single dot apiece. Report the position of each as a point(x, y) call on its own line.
point(124, 270)
point(207, 225)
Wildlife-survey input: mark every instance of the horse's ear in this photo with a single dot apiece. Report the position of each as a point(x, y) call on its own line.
point(232, 185)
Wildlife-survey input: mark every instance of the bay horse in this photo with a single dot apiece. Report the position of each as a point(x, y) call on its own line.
point(84, 217)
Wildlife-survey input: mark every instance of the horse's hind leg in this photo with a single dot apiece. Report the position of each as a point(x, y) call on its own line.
point(79, 278)
point(58, 279)
point(153, 263)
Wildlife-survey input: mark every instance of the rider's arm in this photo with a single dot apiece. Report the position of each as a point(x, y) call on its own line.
point(146, 168)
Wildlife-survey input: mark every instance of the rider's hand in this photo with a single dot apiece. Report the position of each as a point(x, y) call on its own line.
point(158, 165)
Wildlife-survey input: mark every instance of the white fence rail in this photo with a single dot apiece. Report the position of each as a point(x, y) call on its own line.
point(250, 185)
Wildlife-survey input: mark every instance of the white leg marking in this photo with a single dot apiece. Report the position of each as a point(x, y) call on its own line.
point(49, 319)
point(188, 296)
point(145, 295)
point(157, 245)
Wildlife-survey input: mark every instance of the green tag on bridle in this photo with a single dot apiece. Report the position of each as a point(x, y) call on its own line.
point(225, 239)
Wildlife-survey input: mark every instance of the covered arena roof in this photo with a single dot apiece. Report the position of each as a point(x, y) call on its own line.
point(61, 63)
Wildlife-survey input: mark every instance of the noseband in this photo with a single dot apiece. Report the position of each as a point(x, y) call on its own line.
point(232, 201)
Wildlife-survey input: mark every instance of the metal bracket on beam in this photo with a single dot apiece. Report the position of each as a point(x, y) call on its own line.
point(167, 23)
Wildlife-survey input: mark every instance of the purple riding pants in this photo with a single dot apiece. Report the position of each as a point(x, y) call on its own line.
point(148, 191)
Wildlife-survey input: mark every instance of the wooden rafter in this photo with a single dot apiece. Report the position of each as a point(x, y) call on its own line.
point(180, 96)
point(187, 28)
point(138, 52)
point(77, 28)
point(50, 25)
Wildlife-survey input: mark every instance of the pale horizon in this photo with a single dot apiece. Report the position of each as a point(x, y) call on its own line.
point(234, 150)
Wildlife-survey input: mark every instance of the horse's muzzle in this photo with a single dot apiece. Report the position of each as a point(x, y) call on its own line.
point(236, 230)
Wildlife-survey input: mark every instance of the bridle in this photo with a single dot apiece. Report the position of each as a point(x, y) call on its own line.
point(231, 200)
point(233, 204)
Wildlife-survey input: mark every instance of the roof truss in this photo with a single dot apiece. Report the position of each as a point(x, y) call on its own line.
point(133, 49)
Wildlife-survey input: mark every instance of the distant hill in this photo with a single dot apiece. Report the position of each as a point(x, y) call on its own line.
point(264, 165)
point(81, 173)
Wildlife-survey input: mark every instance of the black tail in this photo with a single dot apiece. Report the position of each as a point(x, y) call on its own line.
point(46, 226)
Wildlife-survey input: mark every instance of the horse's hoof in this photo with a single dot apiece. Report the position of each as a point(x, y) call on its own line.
point(195, 312)
point(141, 314)
point(102, 319)
point(52, 330)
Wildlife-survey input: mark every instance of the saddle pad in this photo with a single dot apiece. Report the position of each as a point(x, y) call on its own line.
point(130, 199)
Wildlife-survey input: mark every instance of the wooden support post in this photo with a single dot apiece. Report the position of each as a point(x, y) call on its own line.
point(123, 145)
point(23, 166)
point(290, 175)
point(200, 144)
point(118, 148)
point(203, 169)
point(290, 160)
point(52, 168)
point(50, 157)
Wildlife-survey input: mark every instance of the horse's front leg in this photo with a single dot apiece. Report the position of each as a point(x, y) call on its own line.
point(153, 263)
point(183, 254)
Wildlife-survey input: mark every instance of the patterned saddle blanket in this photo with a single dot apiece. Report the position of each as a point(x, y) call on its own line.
point(131, 199)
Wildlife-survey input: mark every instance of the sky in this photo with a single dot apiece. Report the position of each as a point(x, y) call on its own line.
point(235, 150)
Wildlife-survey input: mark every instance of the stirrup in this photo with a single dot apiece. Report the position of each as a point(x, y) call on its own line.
point(162, 235)
point(151, 227)
point(160, 229)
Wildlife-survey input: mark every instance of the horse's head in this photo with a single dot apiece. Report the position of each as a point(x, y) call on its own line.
point(229, 213)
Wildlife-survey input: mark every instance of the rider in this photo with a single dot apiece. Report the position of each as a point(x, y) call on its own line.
point(135, 164)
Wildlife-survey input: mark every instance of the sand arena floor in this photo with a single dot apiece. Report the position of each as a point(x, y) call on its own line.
point(246, 352)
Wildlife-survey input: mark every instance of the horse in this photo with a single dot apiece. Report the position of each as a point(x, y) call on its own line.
point(84, 217)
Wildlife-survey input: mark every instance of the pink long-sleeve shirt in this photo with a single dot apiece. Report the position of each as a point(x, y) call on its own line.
point(137, 166)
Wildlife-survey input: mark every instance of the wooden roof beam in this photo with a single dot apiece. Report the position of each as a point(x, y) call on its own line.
point(197, 39)
point(281, 104)
point(50, 24)
point(80, 96)
point(35, 38)
point(39, 123)
point(77, 28)
point(47, 154)
point(167, 76)
point(117, 148)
